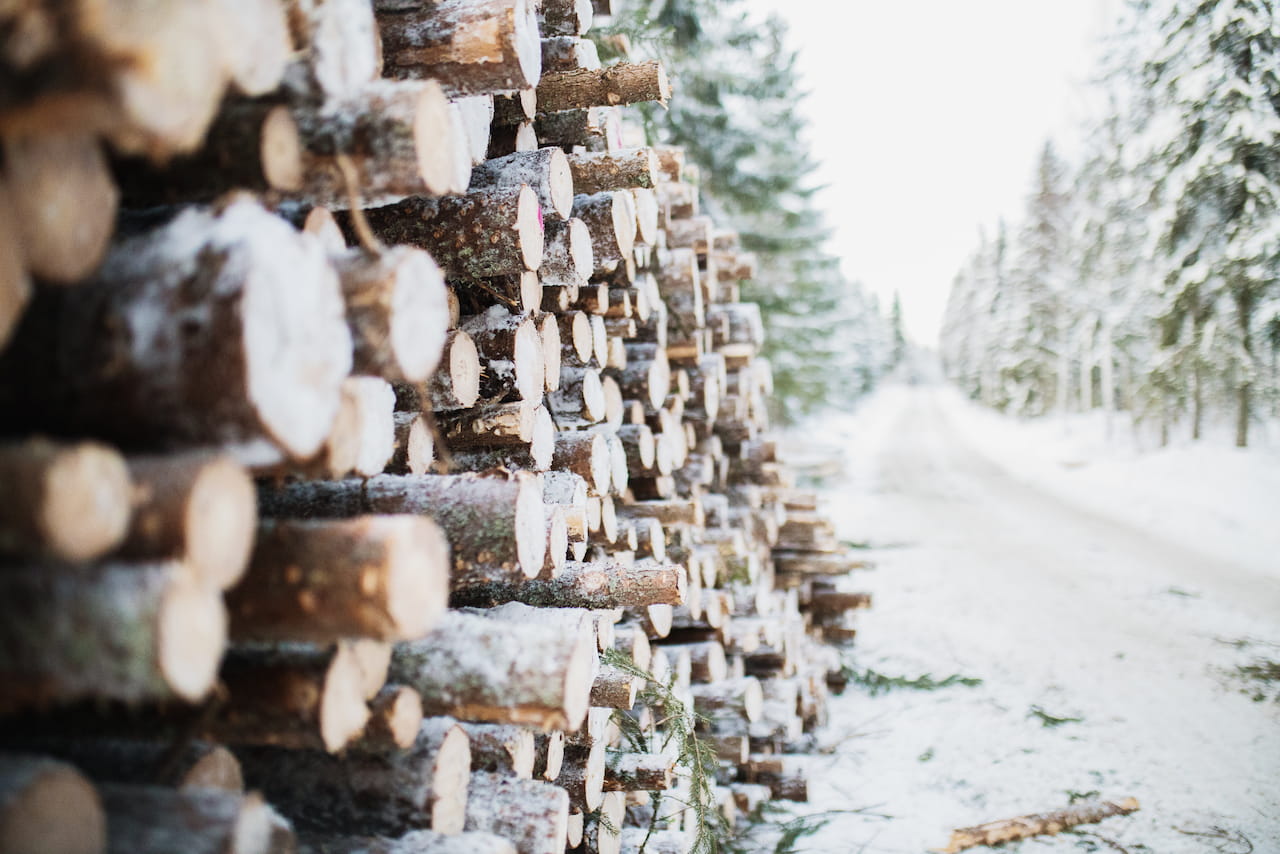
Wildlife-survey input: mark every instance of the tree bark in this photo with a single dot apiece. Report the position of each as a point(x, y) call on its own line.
point(512, 347)
point(473, 47)
point(624, 83)
point(480, 669)
point(245, 347)
point(568, 259)
point(390, 793)
point(157, 631)
point(568, 53)
point(639, 772)
point(395, 717)
point(48, 806)
point(585, 454)
point(502, 748)
point(612, 226)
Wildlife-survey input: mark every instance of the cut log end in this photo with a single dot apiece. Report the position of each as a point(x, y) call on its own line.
point(86, 509)
point(453, 770)
point(192, 635)
point(531, 527)
point(530, 228)
point(221, 519)
point(48, 806)
point(418, 586)
point(281, 151)
point(433, 128)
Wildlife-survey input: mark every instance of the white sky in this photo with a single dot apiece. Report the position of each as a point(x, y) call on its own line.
point(927, 118)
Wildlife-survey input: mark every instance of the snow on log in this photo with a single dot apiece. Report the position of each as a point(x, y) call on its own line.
point(397, 311)
point(501, 748)
point(545, 170)
point(218, 328)
point(596, 172)
point(483, 669)
point(585, 585)
point(1037, 824)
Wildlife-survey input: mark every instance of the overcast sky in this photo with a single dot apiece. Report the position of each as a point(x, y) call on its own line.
point(927, 117)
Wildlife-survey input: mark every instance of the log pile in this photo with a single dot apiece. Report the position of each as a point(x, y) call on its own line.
point(403, 482)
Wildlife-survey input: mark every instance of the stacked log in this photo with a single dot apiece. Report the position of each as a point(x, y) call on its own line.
point(400, 517)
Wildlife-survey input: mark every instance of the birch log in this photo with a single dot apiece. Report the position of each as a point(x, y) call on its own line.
point(532, 814)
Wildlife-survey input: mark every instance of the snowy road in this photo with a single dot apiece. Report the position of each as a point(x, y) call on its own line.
point(1057, 608)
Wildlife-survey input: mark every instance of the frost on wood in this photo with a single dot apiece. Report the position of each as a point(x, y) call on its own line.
point(585, 585)
point(214, 329)
point(531, 813)
point(546, 171)
point(481, 669)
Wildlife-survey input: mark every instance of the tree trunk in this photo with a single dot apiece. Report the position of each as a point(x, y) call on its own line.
point(382, 577)
point(482, 669)
point(612, 226)
point(245, 347)
point(47, 806)
point(454, 385)
point(624, 83)
point(395, 717)
point(582, 774)
point(158, 634)
point(615, 689)
point(155, 820)
point(450, 228)
point(473, 47)
point(530, 813)
point(336, 51)
point(568, 53)
point(415, 445)
point(585, 454)
point(512, 346)
point(639, 772)
point(390, 793)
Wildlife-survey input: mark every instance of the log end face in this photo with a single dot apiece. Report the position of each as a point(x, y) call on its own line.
point(297, 347)
point(579, 676)
point(560, 179)
point(420, 313)
point(418, 580)
point(542, 445)
point(57, 811)
point(86, 509)
point(530, 365)
point(464, 369)
point(217, 769)
point(529, 228)
point(530, 526)
point(527, 43)
point(253, 825)
point(343, 713)
point(449, 782)
point(280, 150)
point(192, 636)
point(584, 259)
point(221, 521)
point(434, 136)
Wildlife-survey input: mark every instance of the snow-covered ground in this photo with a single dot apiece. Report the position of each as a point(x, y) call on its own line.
point(1079, 580)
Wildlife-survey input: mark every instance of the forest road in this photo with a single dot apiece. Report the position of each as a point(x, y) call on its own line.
point(1109, 663)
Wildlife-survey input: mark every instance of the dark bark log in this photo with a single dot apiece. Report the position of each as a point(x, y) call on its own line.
point(596, 172)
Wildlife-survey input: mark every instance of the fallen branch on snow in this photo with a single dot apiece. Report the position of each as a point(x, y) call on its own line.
point(1039, 824)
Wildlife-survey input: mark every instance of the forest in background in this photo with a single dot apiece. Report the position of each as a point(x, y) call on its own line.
point(735, 112)
point(1142, 277)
